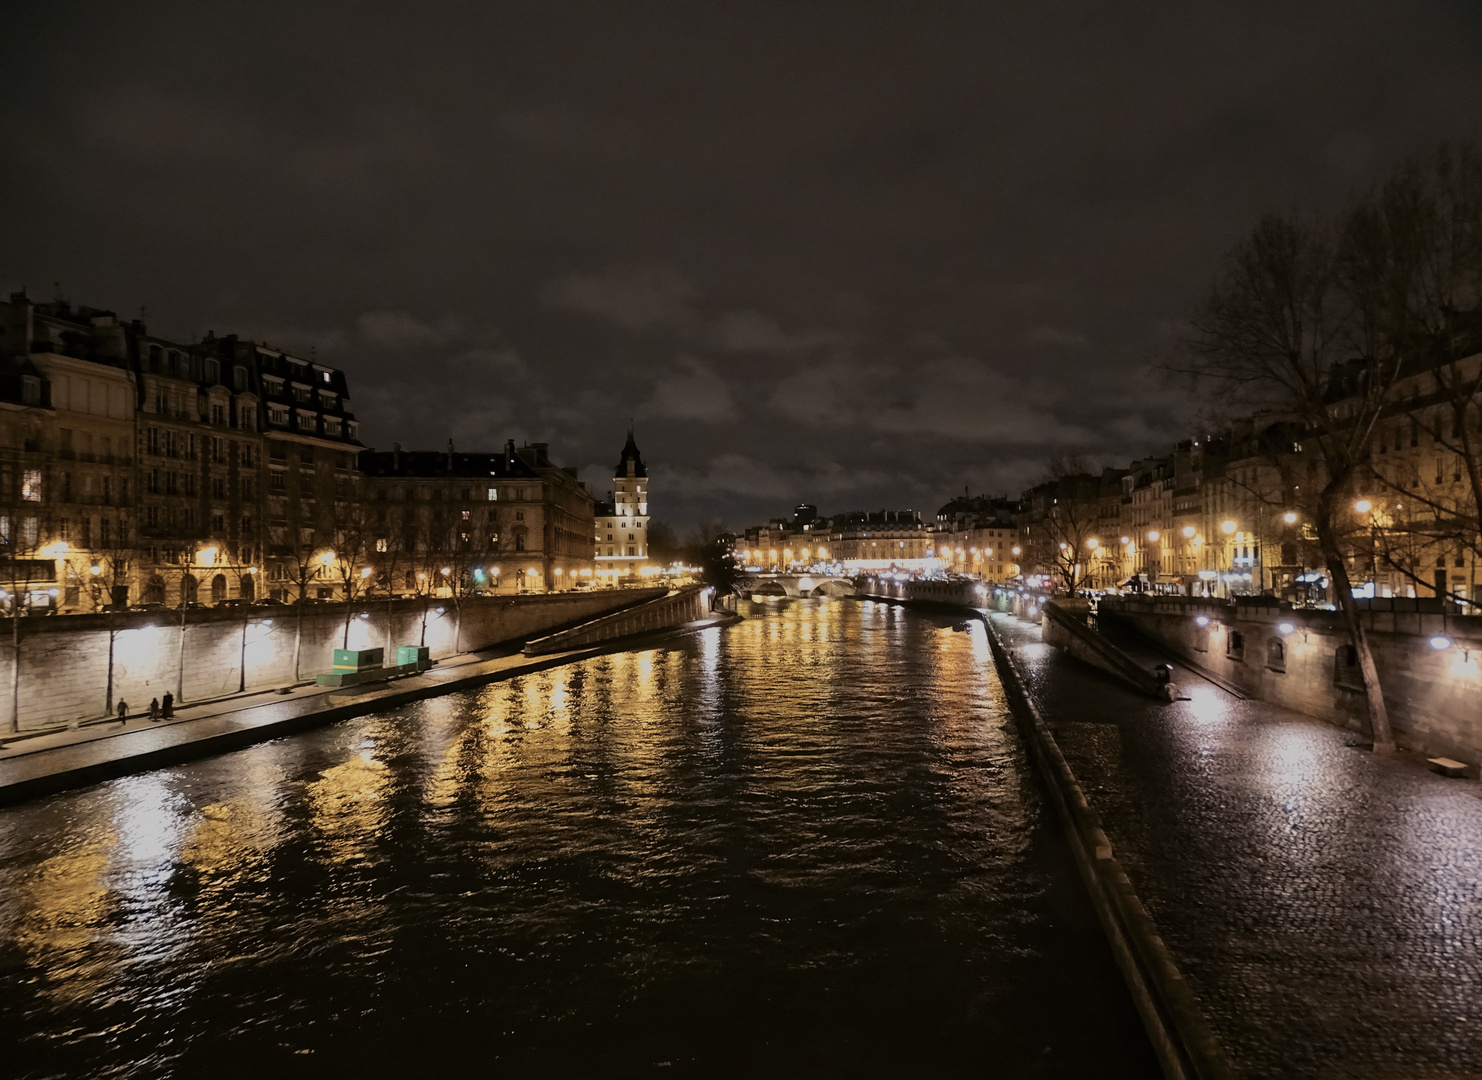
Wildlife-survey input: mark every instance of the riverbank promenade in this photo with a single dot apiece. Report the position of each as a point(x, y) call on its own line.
point(1324, 904)
point(43, 764)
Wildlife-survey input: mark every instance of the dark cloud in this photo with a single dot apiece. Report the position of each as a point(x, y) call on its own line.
point(859, 254)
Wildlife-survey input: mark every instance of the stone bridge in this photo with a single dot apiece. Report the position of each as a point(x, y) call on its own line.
point(796, 585)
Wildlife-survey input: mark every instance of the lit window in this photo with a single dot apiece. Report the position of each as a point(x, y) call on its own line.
point(31, 485)
point(493, 494)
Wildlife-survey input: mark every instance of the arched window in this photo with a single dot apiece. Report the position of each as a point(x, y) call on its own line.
point(248, 588)
point(1276, 654)
point(218, 588)
point(189, 589)
point(154, 591)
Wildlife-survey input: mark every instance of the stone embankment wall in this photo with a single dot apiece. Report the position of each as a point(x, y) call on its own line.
point(65, 658)
point(1434, 695)
point(665, 613)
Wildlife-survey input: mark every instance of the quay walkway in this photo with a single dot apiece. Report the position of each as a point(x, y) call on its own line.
point(41, 765)
point(1323, 904)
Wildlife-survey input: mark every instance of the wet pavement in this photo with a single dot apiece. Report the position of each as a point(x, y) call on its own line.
point(1324, 904)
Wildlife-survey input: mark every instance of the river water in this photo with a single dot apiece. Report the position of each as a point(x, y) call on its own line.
point(808, 844)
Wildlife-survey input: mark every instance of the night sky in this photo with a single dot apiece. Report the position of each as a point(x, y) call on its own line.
point(855, 254)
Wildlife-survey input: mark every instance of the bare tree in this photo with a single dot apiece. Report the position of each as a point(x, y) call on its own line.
point(26, 567)
point(1282, 329)
point(1415, 269)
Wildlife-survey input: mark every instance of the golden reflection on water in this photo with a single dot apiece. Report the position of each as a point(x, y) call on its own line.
point(348, 806)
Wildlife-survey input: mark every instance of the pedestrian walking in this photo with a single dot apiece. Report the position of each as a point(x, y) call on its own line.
point(123, 710)
point(154, 708)
point(169, 705)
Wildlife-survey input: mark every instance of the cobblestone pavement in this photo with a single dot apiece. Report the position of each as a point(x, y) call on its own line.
point(1324, 904)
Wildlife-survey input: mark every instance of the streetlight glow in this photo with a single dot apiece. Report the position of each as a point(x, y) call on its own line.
point(1363, 506)
point(1227, 527)
point(1289, 517)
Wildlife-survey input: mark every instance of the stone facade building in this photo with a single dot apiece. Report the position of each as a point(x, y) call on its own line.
point(148, 470)
point(501, 522)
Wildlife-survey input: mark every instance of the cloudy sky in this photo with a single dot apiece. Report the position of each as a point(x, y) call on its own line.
point(857, 254)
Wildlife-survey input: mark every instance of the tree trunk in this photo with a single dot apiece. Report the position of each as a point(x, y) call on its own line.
point(423, 639)
point(298, 637)
point(108, 696)
point(242, 662)
point(390, 618)
point(15, 669)
point(1327, 539)
point(180, 671)
point(457, 627)
point(346, 638)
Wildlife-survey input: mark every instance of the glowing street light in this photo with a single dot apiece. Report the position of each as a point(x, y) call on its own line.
point(1189, 532)
point(1227, 527)
point(1093, 543)
point(327, 558)
point(1153, 535)
point(1290, 517)
point(1363, 506)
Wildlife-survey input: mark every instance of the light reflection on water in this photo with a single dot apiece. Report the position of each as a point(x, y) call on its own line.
point(808, 843)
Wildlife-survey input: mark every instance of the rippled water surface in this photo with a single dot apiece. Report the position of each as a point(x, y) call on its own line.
point(809, 844)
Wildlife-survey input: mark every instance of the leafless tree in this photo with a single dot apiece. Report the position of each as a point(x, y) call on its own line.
point(1283, 330)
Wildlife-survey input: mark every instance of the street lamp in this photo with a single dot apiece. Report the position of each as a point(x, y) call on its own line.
point(1363, 506)
point(1289, 517)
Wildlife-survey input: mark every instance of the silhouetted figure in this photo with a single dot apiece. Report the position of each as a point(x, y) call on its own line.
point(154, 708)
point(123, 710)
point(169, 705)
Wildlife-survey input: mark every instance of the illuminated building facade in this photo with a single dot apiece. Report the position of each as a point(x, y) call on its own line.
point(514, 521)
point(620, 528)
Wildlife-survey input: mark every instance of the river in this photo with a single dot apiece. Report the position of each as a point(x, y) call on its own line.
point(807, 844)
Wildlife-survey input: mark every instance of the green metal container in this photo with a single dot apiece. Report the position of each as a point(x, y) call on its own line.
point(358, 659)
point(411, 654)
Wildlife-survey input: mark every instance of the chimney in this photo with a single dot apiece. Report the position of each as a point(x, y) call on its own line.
point(509, 453)
point(450, 455)
point(396, 457)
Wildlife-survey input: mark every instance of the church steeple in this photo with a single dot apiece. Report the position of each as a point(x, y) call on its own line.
point(631, 463)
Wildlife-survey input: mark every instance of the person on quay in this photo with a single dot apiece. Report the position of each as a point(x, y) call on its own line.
point(123, 710)
point(154, 708)
point(169, 705)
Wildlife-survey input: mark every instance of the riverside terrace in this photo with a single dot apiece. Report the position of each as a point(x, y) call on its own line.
point(1429, 660)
